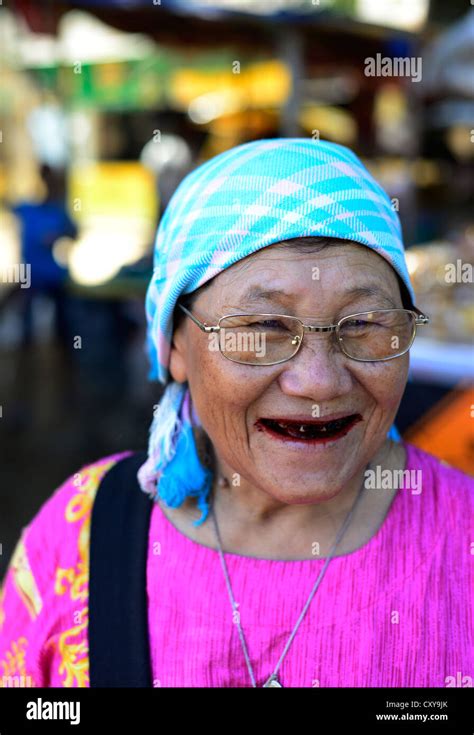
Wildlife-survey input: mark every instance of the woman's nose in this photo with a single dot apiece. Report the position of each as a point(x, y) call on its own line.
point(319, 370)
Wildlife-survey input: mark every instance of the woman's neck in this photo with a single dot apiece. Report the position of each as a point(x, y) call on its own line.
point(254, 524)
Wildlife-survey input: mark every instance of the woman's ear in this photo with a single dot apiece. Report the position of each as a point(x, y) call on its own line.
point(177, 366)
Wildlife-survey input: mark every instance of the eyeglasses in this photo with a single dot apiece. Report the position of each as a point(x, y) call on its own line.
point(269, 339)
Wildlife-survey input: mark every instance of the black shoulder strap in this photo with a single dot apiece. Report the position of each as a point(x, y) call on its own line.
point(119, 654)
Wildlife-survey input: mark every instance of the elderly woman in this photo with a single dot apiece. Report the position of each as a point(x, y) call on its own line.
point(285, 536)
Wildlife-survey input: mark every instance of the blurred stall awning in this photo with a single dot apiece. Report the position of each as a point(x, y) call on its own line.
point(163, 19)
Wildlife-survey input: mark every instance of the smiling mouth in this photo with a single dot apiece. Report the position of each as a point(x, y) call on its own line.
point(319, 431)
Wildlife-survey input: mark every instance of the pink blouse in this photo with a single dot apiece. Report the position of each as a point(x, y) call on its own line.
point(395, 613)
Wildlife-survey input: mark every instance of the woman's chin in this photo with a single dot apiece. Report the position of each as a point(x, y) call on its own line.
point(305, 488)
point(308, 466)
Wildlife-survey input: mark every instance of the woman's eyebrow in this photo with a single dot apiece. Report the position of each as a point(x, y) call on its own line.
point(370, 291)
point(258, 293)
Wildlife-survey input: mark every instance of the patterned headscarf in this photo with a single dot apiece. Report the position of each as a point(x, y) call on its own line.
point(239, 202)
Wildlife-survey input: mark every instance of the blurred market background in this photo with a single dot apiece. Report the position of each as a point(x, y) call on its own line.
point(107, 104)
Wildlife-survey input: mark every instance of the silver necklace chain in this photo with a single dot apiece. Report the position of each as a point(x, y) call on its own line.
point(272, 681)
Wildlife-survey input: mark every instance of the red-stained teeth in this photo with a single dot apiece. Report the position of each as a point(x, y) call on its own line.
point(310, 430)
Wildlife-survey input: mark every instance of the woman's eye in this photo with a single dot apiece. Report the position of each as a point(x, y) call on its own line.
point(270, 324)
point(356, 323)
point(359, 325)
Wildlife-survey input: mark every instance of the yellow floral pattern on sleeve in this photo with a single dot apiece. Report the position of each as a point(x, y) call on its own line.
point(74, 665)
point(74, 656)
point(24, 581)
point(12, 667)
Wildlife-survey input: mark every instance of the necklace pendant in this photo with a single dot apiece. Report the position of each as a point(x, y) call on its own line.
point(272, 682)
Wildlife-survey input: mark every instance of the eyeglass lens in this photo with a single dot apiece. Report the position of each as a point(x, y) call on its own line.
point(257, 339)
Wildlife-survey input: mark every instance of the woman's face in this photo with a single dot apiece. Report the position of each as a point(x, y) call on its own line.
point(319, 381)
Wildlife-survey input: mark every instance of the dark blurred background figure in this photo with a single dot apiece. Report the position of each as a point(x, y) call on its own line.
point(42, 224)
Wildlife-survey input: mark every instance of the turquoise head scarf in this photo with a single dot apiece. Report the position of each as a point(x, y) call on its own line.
point(245, 199)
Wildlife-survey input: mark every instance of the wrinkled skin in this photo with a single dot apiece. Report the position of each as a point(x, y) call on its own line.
point(283, 499)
